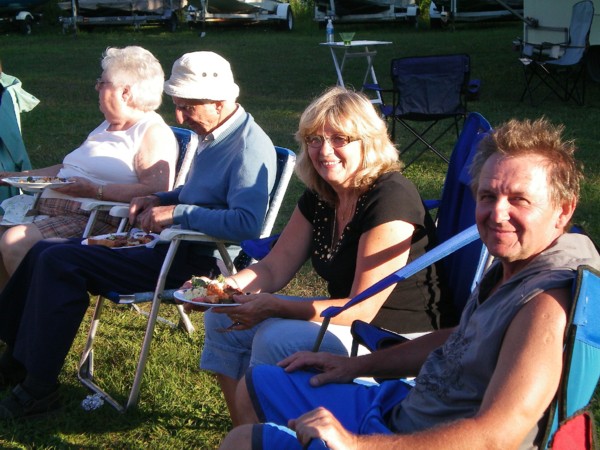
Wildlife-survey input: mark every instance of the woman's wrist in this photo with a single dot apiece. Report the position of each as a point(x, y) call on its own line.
point(100, 192)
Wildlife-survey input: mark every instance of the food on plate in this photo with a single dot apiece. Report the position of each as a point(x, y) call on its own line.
point(122, 240)
point(205, 290)
point(31, 179)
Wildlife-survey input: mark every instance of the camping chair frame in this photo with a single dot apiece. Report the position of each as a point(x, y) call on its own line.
point(564, 75)
point(427, 90)
point(285, 164)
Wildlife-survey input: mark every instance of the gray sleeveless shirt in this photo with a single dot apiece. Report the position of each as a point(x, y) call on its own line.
point(454, 378)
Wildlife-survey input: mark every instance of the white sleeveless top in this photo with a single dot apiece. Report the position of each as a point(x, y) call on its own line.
point(107, 157)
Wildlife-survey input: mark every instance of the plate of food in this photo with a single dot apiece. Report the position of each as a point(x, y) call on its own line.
point(37, 182)
point(123, 240)
point(208, 293)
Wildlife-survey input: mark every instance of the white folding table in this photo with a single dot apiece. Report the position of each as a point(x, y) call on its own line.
point(340, 53)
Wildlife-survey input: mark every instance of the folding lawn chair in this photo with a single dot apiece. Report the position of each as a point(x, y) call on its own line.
point(464, 255)
point(566, 75)
point(427, 90)
point(286, 160)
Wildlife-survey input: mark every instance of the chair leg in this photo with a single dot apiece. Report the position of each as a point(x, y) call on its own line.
point(90, 223)
point(565, 83)
point(428, 145)
point(85, 371)
point(152, 318)
point(184, 321)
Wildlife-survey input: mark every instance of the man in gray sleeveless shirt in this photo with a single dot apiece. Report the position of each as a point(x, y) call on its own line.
point(484, 384)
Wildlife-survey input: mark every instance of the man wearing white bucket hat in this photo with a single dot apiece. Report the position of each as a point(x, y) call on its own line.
point(225, 195)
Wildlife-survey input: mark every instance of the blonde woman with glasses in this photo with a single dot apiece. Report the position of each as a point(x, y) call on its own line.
point(358, 220)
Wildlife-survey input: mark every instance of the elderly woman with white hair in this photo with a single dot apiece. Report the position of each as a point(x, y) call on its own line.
point(133, 152)
point(226, 195)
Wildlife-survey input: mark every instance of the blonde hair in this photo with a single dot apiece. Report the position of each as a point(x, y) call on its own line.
point(352, 114)
point(540, 138)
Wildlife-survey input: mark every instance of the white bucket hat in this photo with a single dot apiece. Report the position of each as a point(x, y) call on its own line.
point(202, 76)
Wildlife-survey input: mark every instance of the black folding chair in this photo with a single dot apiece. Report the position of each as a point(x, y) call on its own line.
point(428, 90)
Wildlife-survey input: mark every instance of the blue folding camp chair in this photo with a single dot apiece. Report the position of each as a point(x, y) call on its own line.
point(459, 247)
point(427, 90)
point(565, 76)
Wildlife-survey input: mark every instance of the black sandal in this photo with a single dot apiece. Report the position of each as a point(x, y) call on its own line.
point(20, 404)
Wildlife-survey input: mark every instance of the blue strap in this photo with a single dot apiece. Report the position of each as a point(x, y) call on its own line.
point(451, 245)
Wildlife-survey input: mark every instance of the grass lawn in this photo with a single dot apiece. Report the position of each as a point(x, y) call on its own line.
point(278, 73)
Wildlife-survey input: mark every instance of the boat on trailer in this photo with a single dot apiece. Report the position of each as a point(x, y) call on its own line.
point(136, 13)
point(171, 12)
point(274, 12)
point(389, 10)
point(364, 10)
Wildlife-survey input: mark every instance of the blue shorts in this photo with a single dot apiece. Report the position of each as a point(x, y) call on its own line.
point(278, 396)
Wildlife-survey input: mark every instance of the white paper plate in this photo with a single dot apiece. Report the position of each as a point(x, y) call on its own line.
point(180, 295)
point(34, 182)
point(151, 244)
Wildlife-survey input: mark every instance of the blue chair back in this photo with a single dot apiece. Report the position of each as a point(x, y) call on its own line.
point(286, 160)
point(188, 143)
point(256, 249)
point(456, 211)
point(581, 370)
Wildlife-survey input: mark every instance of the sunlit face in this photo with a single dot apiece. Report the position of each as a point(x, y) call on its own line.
point(202, 116)
point(337, 165)
point(110, 97)
point(515, 215)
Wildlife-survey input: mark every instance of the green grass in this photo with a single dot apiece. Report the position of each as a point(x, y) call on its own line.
point(279, 73)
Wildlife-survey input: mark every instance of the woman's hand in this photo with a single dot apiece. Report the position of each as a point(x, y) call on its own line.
point(81, 187)
point(253, 309)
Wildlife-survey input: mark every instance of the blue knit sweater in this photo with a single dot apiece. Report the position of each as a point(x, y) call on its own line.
point(227, 190)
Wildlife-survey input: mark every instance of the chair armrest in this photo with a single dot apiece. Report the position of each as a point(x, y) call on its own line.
point(374, 338)
point(376, 87)
point(101, 205)
point(539, 51)
point(121, 211)
point(175, 232)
